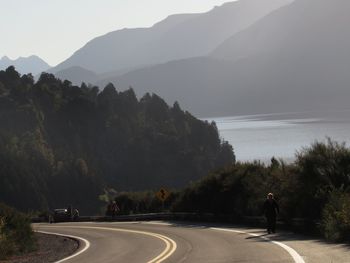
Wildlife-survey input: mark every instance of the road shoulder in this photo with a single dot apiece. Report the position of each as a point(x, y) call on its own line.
point(50, 249)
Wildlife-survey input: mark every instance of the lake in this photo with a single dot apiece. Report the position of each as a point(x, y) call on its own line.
point(260, 137)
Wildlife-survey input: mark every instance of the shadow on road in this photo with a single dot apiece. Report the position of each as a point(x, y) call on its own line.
point(259, 235)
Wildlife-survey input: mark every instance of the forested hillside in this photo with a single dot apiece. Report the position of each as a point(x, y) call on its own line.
point(62, 144)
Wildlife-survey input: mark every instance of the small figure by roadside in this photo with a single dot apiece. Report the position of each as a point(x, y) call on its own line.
point(112, 209)
point(115, 208)
point(72, 213)
point(271, 209)
point(75, 214)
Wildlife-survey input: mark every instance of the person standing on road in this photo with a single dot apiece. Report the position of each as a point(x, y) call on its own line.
point(115, 208)
point(271, 210)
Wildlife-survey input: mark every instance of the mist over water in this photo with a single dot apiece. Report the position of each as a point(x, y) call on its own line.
point(260, 137)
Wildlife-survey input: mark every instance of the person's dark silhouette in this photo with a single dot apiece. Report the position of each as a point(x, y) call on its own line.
point(271, 210)
point(115, 208)
point(70, 212)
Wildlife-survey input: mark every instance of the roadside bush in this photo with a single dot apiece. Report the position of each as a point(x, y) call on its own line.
point(321, 168)
point(239, 190)
point(142, 202)
point(16, 235)
point(336, 217)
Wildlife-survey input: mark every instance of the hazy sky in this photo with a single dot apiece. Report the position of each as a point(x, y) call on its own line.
point(55, 29)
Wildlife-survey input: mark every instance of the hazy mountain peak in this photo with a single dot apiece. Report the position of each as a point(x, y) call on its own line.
point(33, 57)
point(303, 26)
point(4, 58)
point(31, 64)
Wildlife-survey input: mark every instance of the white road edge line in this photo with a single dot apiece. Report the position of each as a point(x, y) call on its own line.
point(86, 247)
point(161, 223)
point(167, 252)
point(296, 257)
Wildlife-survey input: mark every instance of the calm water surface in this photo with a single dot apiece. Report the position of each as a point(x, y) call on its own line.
point(259, 137)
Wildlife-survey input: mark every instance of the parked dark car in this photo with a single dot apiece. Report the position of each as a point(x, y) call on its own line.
point(64, 215)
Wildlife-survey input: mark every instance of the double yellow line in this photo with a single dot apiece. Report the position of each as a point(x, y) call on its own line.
point(167, 252)
point(170, 245)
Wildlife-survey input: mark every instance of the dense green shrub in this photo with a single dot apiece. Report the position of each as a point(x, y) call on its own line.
point(143, 202)
point(322, 167)
point(239, 190)
point(336, 216)
point(16, 235)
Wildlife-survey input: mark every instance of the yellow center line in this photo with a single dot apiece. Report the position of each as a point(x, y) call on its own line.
point(170, 249)
point(170, 245)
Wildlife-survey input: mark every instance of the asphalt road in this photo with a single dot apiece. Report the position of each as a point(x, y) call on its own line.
point(176, 242)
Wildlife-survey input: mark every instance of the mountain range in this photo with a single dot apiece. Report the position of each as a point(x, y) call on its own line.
point(243, 57)
point(176, 37)
point(32, 64)
point(294, 59)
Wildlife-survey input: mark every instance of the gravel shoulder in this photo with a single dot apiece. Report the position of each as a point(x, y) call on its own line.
point(50, 249)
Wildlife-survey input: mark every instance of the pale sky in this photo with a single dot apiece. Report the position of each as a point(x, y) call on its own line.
point(55, 29)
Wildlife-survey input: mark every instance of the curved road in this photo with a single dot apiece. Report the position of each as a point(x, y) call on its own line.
point(172, 242)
